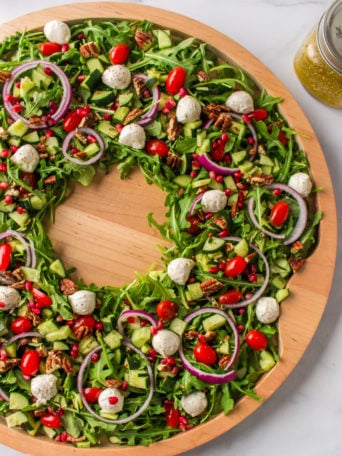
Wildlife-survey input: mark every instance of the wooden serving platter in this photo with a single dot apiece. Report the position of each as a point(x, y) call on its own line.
point(103, 230)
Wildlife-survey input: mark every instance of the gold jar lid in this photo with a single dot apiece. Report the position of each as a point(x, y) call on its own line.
point(329, 36)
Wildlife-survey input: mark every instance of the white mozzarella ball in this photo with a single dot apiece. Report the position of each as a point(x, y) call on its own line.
point(194, 403)
point(26, 158)
point(301, 182)
point(133, 135)
point(241, 102)
point(43, 388)
point(117, 77)
point(188, 109)
point(83, 302)
point(267, 310)
point(111, 400)
point(9, 298)
point(57, 32)
point(166, 342)
point(214, 201)
point(179, 270)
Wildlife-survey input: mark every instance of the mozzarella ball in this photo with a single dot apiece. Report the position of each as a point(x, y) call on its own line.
point(179, 270)
point(57, 32)
point(267, 310)
point(111, 400)
point(43, 388)
point(133, 135)
point(9, 298)
point(117, 77)
point(301, 182)
point(241, 102)
point(188, 109)
point(166, 342)
point(214, 201)
point(83, 302)
point(26, 158)
point(194, 403)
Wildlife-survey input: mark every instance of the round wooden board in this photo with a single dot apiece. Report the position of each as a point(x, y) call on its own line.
point(103, 230)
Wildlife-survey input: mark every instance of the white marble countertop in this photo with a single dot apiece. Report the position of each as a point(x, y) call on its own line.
point(304, 417)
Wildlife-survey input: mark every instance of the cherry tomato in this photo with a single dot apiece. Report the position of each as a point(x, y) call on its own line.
point(41, 298)
point(30, 180)
point(259, 114)
point(51, 421)
point(235, 266)
point(166, 310)
point(29, 363)
point(71, 121)
point(194, 227)
point(21, 325)
point(5, 256)
point(230, 297)
point(282, 138)
point(256, 340)
point(156, 147)
point(172, 416)
point(175, 80)
point(205, 354)
point(50, 48)
point(279, 213)
point(119, 54)
point(85, 320)
point(92, 394)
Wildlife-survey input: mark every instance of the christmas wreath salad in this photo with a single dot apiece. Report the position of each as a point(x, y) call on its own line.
point(135, 364)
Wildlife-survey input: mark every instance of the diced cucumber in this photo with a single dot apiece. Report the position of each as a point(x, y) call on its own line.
point(121, 113)
point(92, 80)
point(213, 322)
point(62, 333)
point(94, 64)
point(6, 207)
point(279, 282)
point(265, 160)
point(215, 185)
point(11, 350)
point(91, 149)
point(125, 98)
point(183, 180)
point(14, 141)
point(185, 166)
point(20, 219)
point(31, 137)
point(18, 128)
point(190, 127)
point(51, 433)
point(30, 274)
point(16, 419)
point(200, 137)
point(194, 291)
point(84, 444)
point(136, 378)
point(164, 38)
point(37, 203)
point(141, 336)
point(18, 401)
point(246, 166)
point(113, 339)
point(52, 145)
point(224, 348)
point(87, 344)
point(201, 183)
point(281, 267)
point(205, 147)
point(213, 244)
point(46, 327)
point(40, 78)
point(266, 360)
point(102, 97)
point(238, 128)
point(107, 129)
point(239, 156)
point(26, 84)
point(241, 248)
point(177, 326)
point(59, 345)
point(203, 261)
point(57, 268)
point(282, 294)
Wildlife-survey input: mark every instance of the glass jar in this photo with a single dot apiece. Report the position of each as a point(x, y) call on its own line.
point(318, 62)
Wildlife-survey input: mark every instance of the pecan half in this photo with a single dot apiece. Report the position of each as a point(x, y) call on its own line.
point(223, 121)
point(260, 179)
point(91, 119)
point(89, 50)
point(67, 286)
point(3, 134)
point(143, 39)
point(50, 180)
point(191, 334)
point(35, 121)
point(221, 222)
point(210, 335)
point(296, 263)
point(213, 110)
point(132, 115)
point(7, 365)
point(173, 160)
point(5, 76)
point(173, 128)
point(296, 247)
point(55, 359)
point(113, 383)
point(211, 286)
point(202, 76)
point(224, 360)
point(82, 331)
point(139, 85)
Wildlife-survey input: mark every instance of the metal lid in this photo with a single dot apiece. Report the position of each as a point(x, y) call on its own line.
point(329, 36)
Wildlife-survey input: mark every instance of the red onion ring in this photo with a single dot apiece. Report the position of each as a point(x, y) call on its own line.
point(63, 105)
point(210, 165)
point(88, 131)
point(135, 313)
point(85, 402)
point(255, 222)
point(31, 259)
point(213, 379)
point(195, 201)
point(148, 117)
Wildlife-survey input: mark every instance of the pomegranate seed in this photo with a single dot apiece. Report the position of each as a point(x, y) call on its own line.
point(240, 328)
point(143, 323)
point(160, 325)
point(70, 323)
point(3, 355)
point(65, 47)
point(124, 386)
point(242, 311)
point(95, 357)
point(28, 285)
point(146, 94)
point(80, 78)
point(224, 138)
point(240, 204)
point(154, 330)
point(49, 133)
point(165, 111)
point(251, 140)
point(99, 326)
point(175, 370)
point(113, 400)
point(152, 352)
point(81, 36)
point(91, 139)
point(228, 191)
point(18, 84)
point(20, 210)
point(3, 185)
point(170, 361)
point(48, 71)
point(238, 175)
point(3, 168)
point(224, 233)
point(195, 156)
point(228, 159)
point(195, 164)
point(74, 150)
point(182, 92)
point(183, 420)
point(31, 304)
point(107, 116)
point(193, 174)
point(276, 192)
point(253, 278)
point(36, 311)
point(9, 98)
point(222, 266)
point(8, 200)
point(131, 320)
point(59, 412)
point(214, 270)
point(209, 215)
point(246, 118)
point(53, 106)
point(202, 339)
point(64, 436)
point(219, 179)
point(17, 107)
point(14, 149)
point(212, 175)
point(4, 153)
point(119, 127)
point(74, 347)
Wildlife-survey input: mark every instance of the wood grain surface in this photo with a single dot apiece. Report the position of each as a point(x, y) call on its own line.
point(103, 231)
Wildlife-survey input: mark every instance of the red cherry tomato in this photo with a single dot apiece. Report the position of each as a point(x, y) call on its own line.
point(5, 256)
point(85, 320)
point(92, 394)
point(156, 147)
point(21, 325)
point(259, 114)
point(256, 340)
point(119, 54)
point(175, 80)
point(50, 48)
point(41, 298)
point(172, 416)
point(72, 121)
point(231, 297)
point(51, 421)
point(282, 138)
point(235, 266)
point(30, 361)
point(279, 213)
point(205, 354)
point(166, 310)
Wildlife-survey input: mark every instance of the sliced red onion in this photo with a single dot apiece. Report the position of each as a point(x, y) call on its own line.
point(135, 313)
point(63, 105)
point(85, 402)
point(31, 259)
point(148, 117)
point(4, 396)
point(195, 201)
point(214, 379)
point(255, 222)
point(22, 336)
point(87, 131)
point(210, 165)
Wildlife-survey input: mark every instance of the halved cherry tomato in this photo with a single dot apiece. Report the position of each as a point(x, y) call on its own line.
point(230, 297)
point(256, 340)
point(5, 256)
point(92, 394)
point(166, 310)
point(85, 320)
point(205, 354)
point(29, 363)
point(156, 147)
point(51, 421)
point(21, 325)
point(50, 48)
point(72, 120)
point(41, 298)
point(172, 416)
point(279, 213)
point(175, 80)
point(235, 266)
point(119, 54)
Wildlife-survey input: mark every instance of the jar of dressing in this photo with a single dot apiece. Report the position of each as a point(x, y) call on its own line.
point(318, 62)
